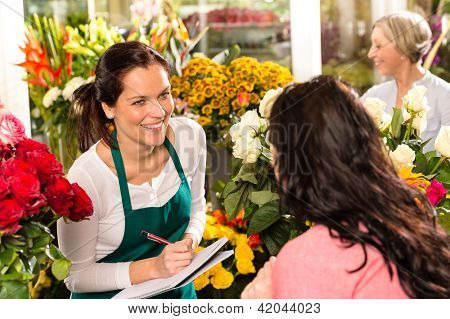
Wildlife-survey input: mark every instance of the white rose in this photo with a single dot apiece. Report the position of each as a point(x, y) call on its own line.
point(71, 86)
point(250, 123)
point(442, 144)
point(415, 100)
point(265, 106)
point(420, 121)
point(51, 96)
point(386, 120)
point(247, 149)
point(375, 107)
point(235, 132)
point(403, 156)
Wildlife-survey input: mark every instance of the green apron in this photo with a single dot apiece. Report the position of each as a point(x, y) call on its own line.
point(169, 221)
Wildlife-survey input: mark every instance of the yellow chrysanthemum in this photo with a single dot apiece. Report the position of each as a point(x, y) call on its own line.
point(245, 266)
point(231, 92)
point(236, 105)
point(224, 110)
point(210, 232)
point(199, 249)
point(254, 98)
point(208, 91)
point(243, 251)
point(222, 279)
point(224, 123)
point(215, 104)
point(241, 112)
point(201, 282)
point(207, 109)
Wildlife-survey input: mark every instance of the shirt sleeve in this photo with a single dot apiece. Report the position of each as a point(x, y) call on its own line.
point(445, 109)
point(198, 217)
point(78, 240)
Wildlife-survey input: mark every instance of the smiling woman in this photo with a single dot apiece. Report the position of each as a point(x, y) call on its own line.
point(138, 174)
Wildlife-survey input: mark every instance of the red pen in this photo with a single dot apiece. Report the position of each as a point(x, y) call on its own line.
point(155, 238)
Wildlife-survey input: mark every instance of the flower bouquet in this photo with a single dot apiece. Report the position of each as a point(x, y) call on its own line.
point(253, 188)
point(228, 279)
point(33, 195)
point(421, 167)
point(217, 94)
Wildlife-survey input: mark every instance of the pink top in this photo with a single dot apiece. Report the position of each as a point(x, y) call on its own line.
point(315, 265)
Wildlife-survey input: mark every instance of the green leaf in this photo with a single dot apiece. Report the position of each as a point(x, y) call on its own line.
point(54, 253)
point(247, 173)
point(13, 290)
point(226, 56)
point(7, 257)
point(30, 230)
point(230, 187)
point(43, 240)
point(397, 121)
point(264, 217)
point(263, 197)
point(276, 236)
point(235, 201)
point(60, 268)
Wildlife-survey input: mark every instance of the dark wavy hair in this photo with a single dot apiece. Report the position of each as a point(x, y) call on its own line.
point(86, 116)
point(333, 170)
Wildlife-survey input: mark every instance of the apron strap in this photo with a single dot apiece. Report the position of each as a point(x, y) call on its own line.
point(120, 168)
point(175, 159)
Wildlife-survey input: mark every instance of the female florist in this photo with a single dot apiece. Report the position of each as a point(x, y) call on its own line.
point(179, 154)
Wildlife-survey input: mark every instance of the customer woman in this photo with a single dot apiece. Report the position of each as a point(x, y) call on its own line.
point(373, 236)
point(144, 171)
point(399, 41)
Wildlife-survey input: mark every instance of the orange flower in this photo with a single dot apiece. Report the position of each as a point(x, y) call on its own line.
point(219, 216)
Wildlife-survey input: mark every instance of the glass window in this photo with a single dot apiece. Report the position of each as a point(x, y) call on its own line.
point(70, 12)
point(259, 27)
point(346, 27)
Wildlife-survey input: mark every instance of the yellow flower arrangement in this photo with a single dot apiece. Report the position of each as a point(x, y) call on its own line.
point(216, 93)
point(222, 275)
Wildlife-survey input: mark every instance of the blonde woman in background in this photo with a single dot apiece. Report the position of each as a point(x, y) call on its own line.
point(399, 41)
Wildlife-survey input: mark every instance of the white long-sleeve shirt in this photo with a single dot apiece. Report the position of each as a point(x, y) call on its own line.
point(438, 96)
point(86, 242)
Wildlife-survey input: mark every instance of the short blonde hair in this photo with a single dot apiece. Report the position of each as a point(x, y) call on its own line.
point(409, 31)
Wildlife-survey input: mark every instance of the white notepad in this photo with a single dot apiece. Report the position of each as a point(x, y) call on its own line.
point(202, 261)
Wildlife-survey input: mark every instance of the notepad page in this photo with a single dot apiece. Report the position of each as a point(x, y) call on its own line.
point(156, 286)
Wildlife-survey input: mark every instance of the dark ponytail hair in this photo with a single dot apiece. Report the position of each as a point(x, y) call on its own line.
point(333, 170)
point(86, 115)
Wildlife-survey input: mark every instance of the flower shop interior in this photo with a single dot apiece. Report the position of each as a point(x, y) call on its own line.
point(247, 48)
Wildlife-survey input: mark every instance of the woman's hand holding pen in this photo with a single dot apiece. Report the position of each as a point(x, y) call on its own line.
point(174, 258)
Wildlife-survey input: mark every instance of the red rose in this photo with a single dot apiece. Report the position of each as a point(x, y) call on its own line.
point(29, 145)
point(82, 205)
point(45, 162)
point(60, 195)
point(13, 167)
point(36, 205)
point(4, 188)
point(25, 188)
point(10, 214)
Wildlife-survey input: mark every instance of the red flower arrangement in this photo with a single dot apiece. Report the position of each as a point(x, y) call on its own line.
point(33, 192)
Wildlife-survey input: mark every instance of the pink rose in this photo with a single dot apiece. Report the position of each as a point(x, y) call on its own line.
point(436, 192)
point(12, 130)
